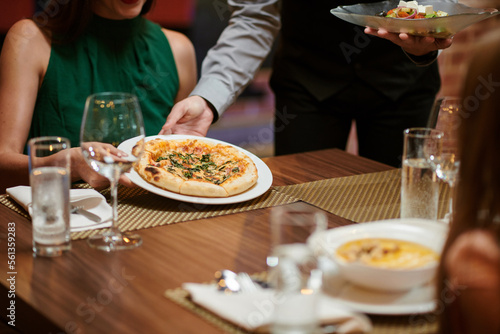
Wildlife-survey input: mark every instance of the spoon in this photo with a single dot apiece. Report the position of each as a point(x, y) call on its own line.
point(230, 282)
point(226, 281)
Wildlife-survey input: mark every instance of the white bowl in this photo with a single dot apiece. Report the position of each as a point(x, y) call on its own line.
point(427, 233)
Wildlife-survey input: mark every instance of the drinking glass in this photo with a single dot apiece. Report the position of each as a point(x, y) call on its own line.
point(49, 160)
point(110, 118)
point(419, 186)
point(293, 268)
point(446, 163)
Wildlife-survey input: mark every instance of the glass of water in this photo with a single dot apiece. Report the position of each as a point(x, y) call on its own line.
point(446, 163)
point(419, 185)
point(50, 182)
point(293, 268)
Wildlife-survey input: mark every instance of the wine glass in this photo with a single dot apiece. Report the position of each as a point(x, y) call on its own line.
point(446, 163)
point(110, 118)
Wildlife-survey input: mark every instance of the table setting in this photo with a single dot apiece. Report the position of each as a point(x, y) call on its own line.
point(253, 311)
point(273, 247)
point(165, 223)
point(345, 302)
point(353, 290)
point(281, 306)
point(89, 211)
point(340, 302)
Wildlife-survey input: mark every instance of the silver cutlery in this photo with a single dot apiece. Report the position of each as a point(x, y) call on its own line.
point(231, 282)
point(80, 210)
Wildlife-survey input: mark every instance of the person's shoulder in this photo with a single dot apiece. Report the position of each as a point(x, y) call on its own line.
point(26, 35)
point(179, 42)
point(26, 45)
point(478, 242)
point(472, 255)
point(475, 244)
point(26, 29)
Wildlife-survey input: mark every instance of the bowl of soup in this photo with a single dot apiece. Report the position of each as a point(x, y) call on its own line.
point(389, 255)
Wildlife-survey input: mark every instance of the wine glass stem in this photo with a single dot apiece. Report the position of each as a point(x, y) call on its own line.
point(451, 184)
point(114, 198)
point(450, 209)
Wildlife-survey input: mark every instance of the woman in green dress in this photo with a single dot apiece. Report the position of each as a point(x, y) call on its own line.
point(51, 63)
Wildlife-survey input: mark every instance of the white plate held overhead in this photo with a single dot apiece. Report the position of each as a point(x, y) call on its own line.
point(459, 17)
point(264, 181)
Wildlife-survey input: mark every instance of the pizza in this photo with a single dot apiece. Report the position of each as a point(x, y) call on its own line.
point(196, 167)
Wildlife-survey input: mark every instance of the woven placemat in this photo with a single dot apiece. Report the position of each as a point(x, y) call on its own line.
point(139, 209)
point(413, 324)
point(360, 198)
point(181, 297)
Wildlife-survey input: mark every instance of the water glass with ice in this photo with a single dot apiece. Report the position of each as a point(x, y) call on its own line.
point(293, 268)
point(49, 159)
point(419, 185)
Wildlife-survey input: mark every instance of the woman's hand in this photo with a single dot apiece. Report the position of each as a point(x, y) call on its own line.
point(414, 45)
point(80, 170)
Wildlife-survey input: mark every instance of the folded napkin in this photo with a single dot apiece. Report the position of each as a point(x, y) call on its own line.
point(88, 199)
point(254, 311)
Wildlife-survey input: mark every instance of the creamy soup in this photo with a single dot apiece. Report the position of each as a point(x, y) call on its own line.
point(387, 253)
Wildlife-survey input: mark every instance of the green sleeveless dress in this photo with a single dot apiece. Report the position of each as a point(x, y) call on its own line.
point(122, 56)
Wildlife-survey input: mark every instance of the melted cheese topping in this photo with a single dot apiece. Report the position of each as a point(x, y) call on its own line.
point(387, 253)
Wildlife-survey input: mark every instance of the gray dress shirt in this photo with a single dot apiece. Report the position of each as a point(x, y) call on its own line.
point(242, 47)
point(244, 44)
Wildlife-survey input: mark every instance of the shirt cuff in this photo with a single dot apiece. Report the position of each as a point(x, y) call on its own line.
point(216, 93)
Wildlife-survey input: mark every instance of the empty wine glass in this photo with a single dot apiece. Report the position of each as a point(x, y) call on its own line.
point(109, 119)
point(447, 162)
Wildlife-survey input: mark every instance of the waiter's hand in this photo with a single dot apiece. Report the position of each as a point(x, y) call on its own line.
point(415, 45)
point(191, 116)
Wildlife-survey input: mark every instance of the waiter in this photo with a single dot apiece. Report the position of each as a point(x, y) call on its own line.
point(326, 73)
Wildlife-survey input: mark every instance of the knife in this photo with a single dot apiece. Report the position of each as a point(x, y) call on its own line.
point(85, 213)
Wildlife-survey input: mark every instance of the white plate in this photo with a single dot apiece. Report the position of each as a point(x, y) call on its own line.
point(264, 180)
point(415, 301)
point(459, 17)
point(418, 300)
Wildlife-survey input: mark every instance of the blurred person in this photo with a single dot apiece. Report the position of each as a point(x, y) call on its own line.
point(51, 63)
point(469, 280)
point(326, 73)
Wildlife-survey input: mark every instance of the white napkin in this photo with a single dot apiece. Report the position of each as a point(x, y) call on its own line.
point(90, 199)
point(254, 311)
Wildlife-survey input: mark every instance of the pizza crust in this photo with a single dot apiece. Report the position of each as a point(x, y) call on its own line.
point(161, 178)
point(241, 184)
point(204, 189)
point(174, 165)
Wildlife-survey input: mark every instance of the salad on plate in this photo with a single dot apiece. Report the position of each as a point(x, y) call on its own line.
point(412, 10)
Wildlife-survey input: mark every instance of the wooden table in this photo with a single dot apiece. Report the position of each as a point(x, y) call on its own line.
point(89, 291)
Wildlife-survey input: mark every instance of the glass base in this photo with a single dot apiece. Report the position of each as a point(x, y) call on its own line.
point(110, 242)
point(306, 328)
point(446, 219)
point(50, 250)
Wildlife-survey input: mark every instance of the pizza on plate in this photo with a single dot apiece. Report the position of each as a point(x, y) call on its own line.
point(196, 167)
